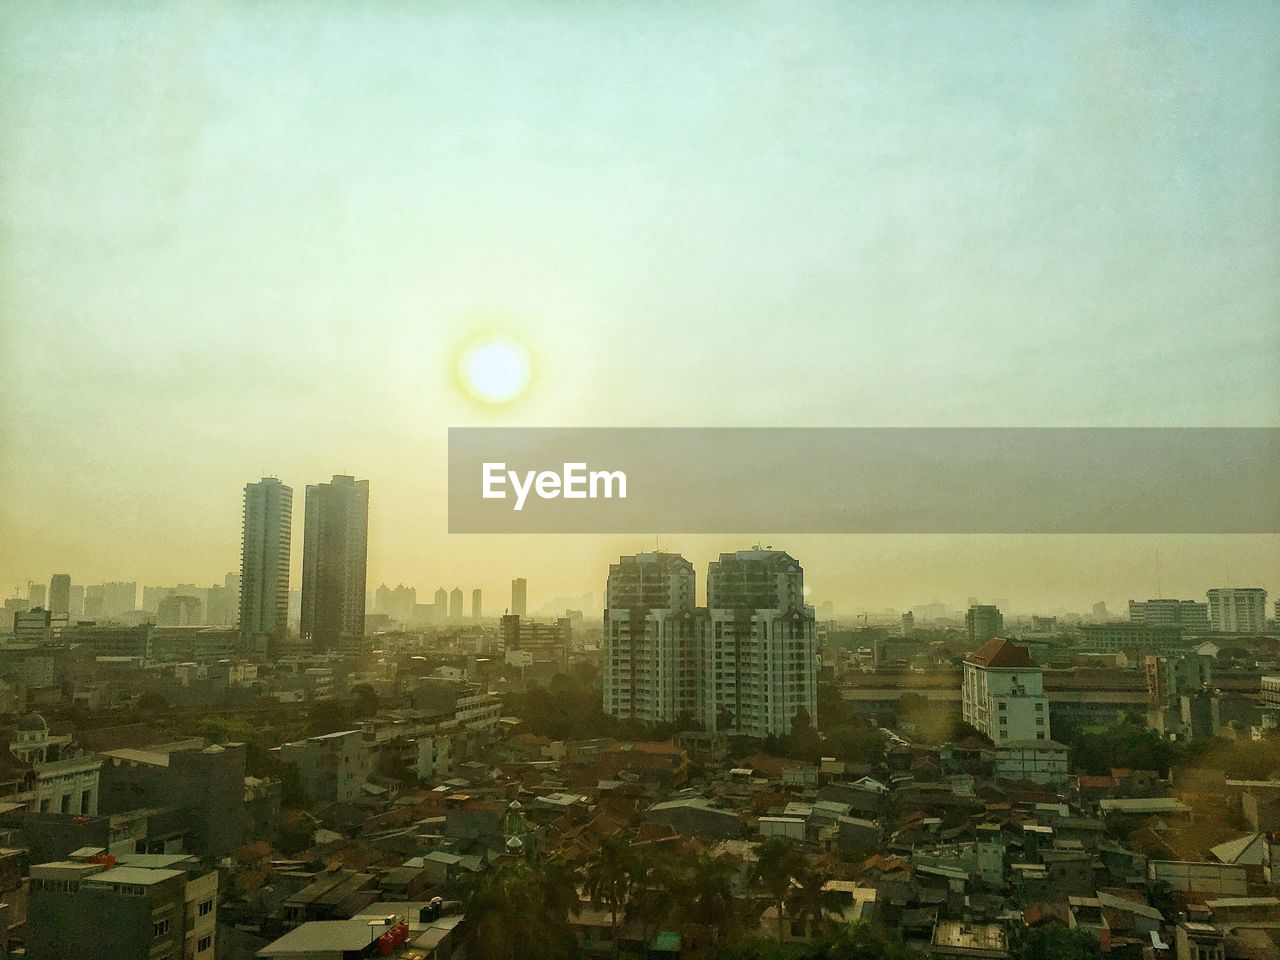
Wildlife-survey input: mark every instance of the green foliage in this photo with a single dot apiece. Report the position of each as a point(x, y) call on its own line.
point(777, 861)
point(1098, 751)
point(571, 708)
point(844, 735)
point(609, 876)
point(1241, 759)
point(519, 910)
point(1055, 942)
point(860, 940)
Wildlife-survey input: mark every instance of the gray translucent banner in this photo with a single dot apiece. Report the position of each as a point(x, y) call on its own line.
point(865, 480)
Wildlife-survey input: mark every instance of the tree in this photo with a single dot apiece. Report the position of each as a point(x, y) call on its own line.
point(776, 863)
point(520, 909)
point(705, 895)
point(808, 898)
point(608, 878)
point(1054, 941)
point(654, 894)
point(860, 940)
point(366, 700)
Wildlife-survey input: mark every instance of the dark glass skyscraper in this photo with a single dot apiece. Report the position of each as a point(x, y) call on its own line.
point(334, 554)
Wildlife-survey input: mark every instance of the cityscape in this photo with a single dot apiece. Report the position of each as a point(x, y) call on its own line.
point(249, 770)
point(615, 480)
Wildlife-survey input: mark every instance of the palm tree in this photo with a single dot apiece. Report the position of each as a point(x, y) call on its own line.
point(609, 877)
point(776, 863)
point(654, 893)
point(705, 891)
point(520, 909)
point(809, 900)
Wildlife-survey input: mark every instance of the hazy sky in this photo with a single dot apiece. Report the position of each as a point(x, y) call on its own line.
point(247, 238)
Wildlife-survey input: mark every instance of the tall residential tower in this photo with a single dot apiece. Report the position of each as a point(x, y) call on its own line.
point(651, 638)
point(264, 563)
point(759, 662)
point(334, 554)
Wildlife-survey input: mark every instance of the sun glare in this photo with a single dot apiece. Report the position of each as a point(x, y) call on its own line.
point(495, 369)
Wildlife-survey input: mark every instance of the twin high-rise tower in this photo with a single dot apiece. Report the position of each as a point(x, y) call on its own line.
point(745, 663)
point(334, 555)
point(264, 563)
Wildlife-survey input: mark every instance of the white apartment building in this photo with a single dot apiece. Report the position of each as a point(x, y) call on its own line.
point(745, 663)
point(1238, 609)
point(652, 634)
point(758, 669)
point(759, 663)
point(1003, 693)
point(1187, 614)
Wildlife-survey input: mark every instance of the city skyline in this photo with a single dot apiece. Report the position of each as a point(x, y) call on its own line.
point(1162, 580)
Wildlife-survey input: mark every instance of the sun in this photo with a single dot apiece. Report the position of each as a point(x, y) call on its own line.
point(495, 369)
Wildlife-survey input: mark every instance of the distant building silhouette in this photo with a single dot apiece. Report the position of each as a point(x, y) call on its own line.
point(519, 597)
point(475, 604)
point(982, 622)
point(455, 603)
point(60, 593)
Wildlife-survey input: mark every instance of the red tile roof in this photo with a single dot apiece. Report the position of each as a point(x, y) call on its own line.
point(998, 652)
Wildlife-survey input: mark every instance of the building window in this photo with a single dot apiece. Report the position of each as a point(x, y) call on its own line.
point(204, 943)
point(206, 907)
point(160, 928)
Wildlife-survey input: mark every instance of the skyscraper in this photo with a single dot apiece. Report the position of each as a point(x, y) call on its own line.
point(475, 604)
point(36, 595)
point(264, 562)
point(652, 638)
point(440, 605)
point(334, 554)
point(519, 597)
point(60, 593)
point(455, 603)
point(759, 664)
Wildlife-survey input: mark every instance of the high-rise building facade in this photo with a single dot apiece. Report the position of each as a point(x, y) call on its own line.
point(455, 603)
point(36, 595)
point(1238, 609)
point(983, 621)
point(475, 604)
point(334, 557)
point(651, 634)
point(60, 593)
point(759, 666)
point(264, 563)
point(746, 663)
point(519, 597)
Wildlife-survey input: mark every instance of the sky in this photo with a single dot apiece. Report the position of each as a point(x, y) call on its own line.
point(240, 239)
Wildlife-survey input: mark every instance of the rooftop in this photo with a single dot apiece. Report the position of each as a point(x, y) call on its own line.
point(1001, 653)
